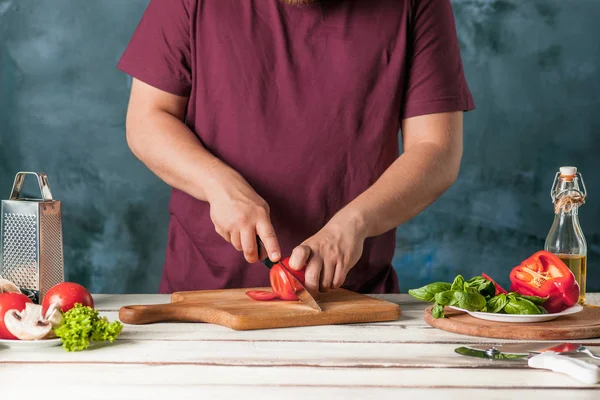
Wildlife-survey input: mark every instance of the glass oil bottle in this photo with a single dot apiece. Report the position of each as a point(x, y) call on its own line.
point(565, 238)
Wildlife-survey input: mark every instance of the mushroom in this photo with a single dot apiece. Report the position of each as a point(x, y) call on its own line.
point(29, 324)
point(7, 286)
point(54, 316)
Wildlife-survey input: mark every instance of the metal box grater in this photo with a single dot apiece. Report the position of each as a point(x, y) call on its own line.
point(31, 243)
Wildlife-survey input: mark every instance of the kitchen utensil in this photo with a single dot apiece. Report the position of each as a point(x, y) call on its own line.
point(267, 261)
point(585, 350)
point(540, 347)
point(582, 325)
point(300, 290)
point(31, 244)
point(520, 318)
point(233, 309)
point(577, 369)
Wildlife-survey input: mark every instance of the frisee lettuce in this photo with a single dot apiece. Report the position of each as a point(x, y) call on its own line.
point(82, 325)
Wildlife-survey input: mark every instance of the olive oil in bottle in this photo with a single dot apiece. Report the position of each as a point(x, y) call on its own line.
point(565, 238)
point(577, 264)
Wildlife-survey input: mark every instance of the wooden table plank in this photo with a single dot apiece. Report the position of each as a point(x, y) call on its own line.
point(409, 329)
point(264, 354)
point(188, 375)
point(175, 391)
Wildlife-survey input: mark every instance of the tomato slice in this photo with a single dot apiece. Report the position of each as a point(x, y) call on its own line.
point(499, 289)
point(261, 295)
point(281, 283)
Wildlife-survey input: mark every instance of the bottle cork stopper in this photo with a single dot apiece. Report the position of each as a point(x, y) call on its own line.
point(568, 171)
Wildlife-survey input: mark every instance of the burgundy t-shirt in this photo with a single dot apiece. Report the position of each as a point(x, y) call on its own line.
point(305, 102)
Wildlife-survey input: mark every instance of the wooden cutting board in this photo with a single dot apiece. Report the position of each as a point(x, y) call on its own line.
point(583, 325)
point(233, 309)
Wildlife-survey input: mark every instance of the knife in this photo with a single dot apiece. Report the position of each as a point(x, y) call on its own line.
point(577, 369)
point(300, 290)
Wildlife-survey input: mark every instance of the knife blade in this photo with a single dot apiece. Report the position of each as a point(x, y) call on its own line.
point(301, 292)
point(577, 369)
point(525, 348)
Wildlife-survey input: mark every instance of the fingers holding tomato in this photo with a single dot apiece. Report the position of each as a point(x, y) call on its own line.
point(328, 255)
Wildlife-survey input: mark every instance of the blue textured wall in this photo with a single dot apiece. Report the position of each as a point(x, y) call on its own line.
point(532, 67)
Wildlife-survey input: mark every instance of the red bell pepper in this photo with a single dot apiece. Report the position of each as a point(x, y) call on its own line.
point(282, 285)
point(545, 275)
point(499, 289)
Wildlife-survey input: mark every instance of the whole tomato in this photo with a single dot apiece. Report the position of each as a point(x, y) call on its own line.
point(11, 301)
point(66, 294)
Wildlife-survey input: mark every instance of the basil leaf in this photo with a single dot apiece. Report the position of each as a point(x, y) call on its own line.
point(428, 292)
point(535, 299)
point(483, 286)
point(520, 305)
point(446, 298)
point(497, 303)
point(438, 311)
point(470, 300)
point(459, 283)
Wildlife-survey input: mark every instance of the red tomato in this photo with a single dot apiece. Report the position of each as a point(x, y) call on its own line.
point(11, 301)
point(282, 283)
point(261, 295)
point(298, 274)
point(66, 294)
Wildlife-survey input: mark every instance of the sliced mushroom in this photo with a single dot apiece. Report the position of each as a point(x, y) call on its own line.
point(7, 286)
point(54, 315)
point(29, 324)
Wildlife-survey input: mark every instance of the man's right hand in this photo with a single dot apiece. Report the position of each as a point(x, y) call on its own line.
point(158, 136)
point(240, 214)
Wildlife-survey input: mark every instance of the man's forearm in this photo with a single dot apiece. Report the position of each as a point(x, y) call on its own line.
point(171, 151)
point(414, 181)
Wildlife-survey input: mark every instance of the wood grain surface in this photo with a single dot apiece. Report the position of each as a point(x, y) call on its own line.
point(233, 309)
point(404, 358)
point(583, 325)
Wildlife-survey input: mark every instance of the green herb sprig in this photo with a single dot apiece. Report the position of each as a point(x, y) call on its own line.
point(82, 325)
point(476, 294)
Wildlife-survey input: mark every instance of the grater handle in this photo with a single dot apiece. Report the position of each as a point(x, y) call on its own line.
point(42, 181)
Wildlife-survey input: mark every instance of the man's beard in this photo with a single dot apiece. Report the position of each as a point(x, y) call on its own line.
point(299, 2)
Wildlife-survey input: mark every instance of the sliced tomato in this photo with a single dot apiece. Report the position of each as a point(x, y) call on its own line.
point(499, 289)
point(298, 274)
point(261, 295)
point(281, 283)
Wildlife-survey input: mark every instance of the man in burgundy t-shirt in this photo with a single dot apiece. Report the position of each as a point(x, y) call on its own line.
point(280, 118)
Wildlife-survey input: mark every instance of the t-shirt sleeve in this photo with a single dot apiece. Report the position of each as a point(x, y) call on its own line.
point(435, 79)
point(159, 50)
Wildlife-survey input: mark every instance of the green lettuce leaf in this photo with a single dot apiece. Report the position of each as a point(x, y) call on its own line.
point(82, 325)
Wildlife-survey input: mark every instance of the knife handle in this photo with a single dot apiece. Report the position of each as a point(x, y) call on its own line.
point(577, 369)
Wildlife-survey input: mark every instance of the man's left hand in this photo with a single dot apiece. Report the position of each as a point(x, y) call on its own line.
point(329, 254)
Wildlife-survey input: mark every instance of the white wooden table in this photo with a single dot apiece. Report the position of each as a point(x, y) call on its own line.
point(399, 360)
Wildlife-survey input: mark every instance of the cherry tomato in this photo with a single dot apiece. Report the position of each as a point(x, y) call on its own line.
point(11, 301)
point(66, 294)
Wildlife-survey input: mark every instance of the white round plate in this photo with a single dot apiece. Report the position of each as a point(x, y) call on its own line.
point(520, 318)
point(30, 344)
